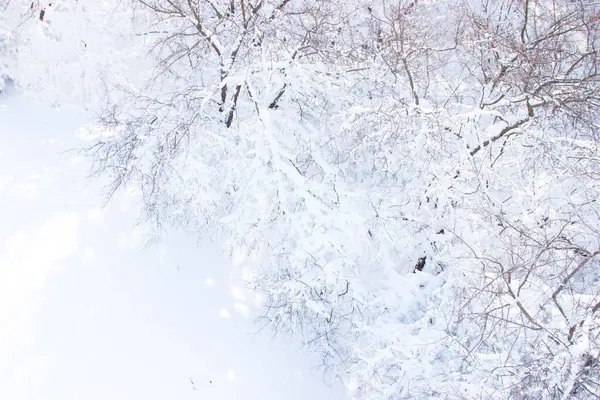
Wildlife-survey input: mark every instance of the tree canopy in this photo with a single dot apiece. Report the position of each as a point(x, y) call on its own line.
point(417, 180)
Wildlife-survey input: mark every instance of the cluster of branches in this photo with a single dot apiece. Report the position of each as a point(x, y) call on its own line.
point(423, 175)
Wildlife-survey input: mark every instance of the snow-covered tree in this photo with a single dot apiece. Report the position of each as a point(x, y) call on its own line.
point(420, 178)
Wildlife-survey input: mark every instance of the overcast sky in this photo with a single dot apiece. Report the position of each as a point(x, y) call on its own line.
point(86, 313)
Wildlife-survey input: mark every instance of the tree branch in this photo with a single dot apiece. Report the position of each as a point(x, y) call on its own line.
point(502, 133)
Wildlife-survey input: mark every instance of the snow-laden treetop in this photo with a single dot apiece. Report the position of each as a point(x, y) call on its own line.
point(419, 180)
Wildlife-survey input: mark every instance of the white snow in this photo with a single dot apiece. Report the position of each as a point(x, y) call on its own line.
point(87, 312)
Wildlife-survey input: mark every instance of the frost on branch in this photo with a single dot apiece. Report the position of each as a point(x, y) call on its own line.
point(422, 177)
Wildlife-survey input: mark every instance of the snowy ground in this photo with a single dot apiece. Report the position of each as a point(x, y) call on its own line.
point(86, 313)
